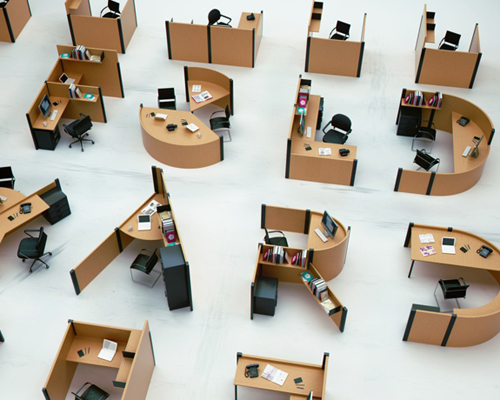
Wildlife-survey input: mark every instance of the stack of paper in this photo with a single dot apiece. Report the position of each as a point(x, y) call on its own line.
point(274, 374)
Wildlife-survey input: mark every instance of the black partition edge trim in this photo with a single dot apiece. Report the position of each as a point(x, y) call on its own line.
point(120, 32)
point(431, 182)
point(473, 77)
point(29, 8)
point(188, 280)
point(348, 240)
point(252, 288)
point(325, 355)
point(119, 384)
point(343, 319)
point(45, 394)
point(307, 221)
point(253, 48)
point(169, 48)
point(186, 78)
point(9, 26)
point(398, 179)
point(238, 356)
point(221, 139)
point(2, 339)
point(102, 105)
point(448, 330)
point(209, 38)
point(231, 94)
point(121, 81)
point(262, 216)
point(491, 136)
point(32, 132)
point(413, 312)
point(308, 49)
point(360, 62)
point(71, 321)
point(119, 239)
point(71, 30)
point(152, 348)
point(135, 14)
point(408, 235)
point(74, 279)
point(450, 229)
point(420, 64)
point(403, 94)
point(353, 173)
point(311, 255)
point(155, 179)
point(288, 155)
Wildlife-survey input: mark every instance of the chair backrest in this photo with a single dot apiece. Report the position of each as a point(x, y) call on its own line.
point(453, 288)
point(213, 16)
point(150, 264)
point(424, 160)
point(343, 27)
point(166, 94)
point(267, 239)
point(82, 125)
point(228, 113)
point(114, 6)
point(452, 37)
point(6, 177)
point(341, 121)
point(42, 241)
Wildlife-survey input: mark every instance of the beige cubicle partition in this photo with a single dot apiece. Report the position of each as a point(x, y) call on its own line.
point(105, 74)
point(101, 33)
point(216, 44)
point(333, 57)
point(134, 359)
point(467, 170)
point(14, 16)
point(303, 161)
point(444, 67)
point(463, 326)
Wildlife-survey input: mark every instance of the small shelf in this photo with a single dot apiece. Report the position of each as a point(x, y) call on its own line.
point(290, 252)
point(331, 296)
point(424, 106)
point(124, 370)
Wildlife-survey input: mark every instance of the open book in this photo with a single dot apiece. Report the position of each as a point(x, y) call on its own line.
point(274, 375)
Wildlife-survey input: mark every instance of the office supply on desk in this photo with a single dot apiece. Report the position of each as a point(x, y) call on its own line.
point(92, 392)
point(160, 116)
point(166, 98)
point(145, 263)
point(475, 151)
point(25, 208)
point(79, 130)
point(214, 18)
point(173, 127)
point(204, 96)
point(217, 123)
point(108, 350)
point(144, 222)
point(450, 41)
point(466, 151)
point(252, 371)
point(274, 374)
point(341, 128)
point(33, 247)
point(341, 31)
point(463, 121)
point(65, 79)
point(321, 235)
point(484, 251)
point(3, 199)
point(54, 115)
point(114, 10)
point(7, 178)
point(13, 18)
point(448, 245)
point(192, 127)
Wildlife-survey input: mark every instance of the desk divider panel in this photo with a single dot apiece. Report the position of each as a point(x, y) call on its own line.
point(187, 42)
point(475, 47)
point(142, 368)
point(258, 34)
point(232, 46)
point(5, 28)
point(334, 57)
point(285, 219)
point(19, 13)
point(101, 33)
point(411, 181)
point(101, 331)
point(419, 46)
point(429, 327)
point(330, 262)
point(444, 67)
point(34, 112)
point(128, 19)
point(316, 169)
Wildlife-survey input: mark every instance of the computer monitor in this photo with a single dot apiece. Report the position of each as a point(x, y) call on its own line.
point(45, 106)
point(329, 224)
point(475, 151)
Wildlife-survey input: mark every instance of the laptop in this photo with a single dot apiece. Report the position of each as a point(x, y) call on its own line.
point(65, 79)
point(144, 222)
point(448, 245)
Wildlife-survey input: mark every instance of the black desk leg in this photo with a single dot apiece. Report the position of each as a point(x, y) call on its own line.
point(411, 268)
point(235, 392)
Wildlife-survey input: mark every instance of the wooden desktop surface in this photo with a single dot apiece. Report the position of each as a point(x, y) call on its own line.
point(51, 125)
point(95, 345)
point(217, 92)
point(313, 240)
point(470, 259)
point(155, 232)
point(312, 376)
point(249, 25)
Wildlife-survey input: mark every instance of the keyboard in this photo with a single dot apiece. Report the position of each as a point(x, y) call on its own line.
point(54, 115)
point(320, 234)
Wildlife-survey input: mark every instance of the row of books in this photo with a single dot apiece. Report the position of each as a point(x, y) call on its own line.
point(275, 255)
point(168, 227)
point(74, 92)
point(300, 258)
point(415, 98)
point(80, 53)
point(317, 286)
point(303, 96)
point(436, 100)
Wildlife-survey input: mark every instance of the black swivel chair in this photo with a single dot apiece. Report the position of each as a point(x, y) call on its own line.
point(341, 31)
point(452, 289)
point(114, 10)
point(425, 133)
point(7, 178)
point(92, 392)
point(341, 128)
point(450, 41)
point(79, 130)
point(276, 241)
point(33, 247)
point(221, 122)
point(166, 98)
point(426, 161)
point(214, 16)
point(145, 262)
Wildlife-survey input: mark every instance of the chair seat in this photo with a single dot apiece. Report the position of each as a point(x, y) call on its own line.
point(445, 46)
point(140, 263)
point(333, 136)
point(338, 36)
point(219, 123)
point(110, 15)
point(27, 248)
point(279, 241)
point(94, 393)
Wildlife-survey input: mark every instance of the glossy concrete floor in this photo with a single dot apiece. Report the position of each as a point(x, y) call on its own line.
point(218, 210)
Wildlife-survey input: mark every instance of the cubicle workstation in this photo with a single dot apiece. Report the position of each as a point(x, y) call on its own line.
point(98, 32)
point(218, 85)
point(181, 147)
point(216, 44)
point(303, 155)
point(82, 342)
point(461, 327)
point(175, 268)
point(15, 15)
point(336, 55)
point(49, 201)
point(444, 65)
point(104, 73)
point(313, 376)
point(54, 100)
point(321, 260)
point(473, 139)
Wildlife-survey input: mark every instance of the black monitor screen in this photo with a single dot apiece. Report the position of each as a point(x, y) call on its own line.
point(329, 224)
point(475, 150)
point(45, 106)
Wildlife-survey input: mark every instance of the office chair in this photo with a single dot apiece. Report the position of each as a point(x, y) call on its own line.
point(341, 31)
point(93, 392)
point(424, 133)
point(450, 41)
point(166, 98)
point(452, 289)
point(339, 121)
point(7, 179)
point(426, 161)
point(33, 247)
point(221, 122)
point(214, 16)
point(114, 10)
point(145, 262)
point(276, 241)
point(79, 130)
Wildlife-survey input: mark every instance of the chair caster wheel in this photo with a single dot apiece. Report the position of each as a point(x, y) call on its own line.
point(70, 146)
point(50, 253)
point(24, 259)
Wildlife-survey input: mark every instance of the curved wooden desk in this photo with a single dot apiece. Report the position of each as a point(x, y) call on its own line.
point(180, 148)
point(463, 327)
point(467, 170)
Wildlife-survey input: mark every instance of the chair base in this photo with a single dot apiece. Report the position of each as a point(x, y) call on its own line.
point(81, 142)
point(47, 266)
point(145, 284)
point(229, 135)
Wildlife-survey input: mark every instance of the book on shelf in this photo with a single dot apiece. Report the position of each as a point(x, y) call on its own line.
point(65, 55)
point(275, 255)
point(319, 288)
point(168, 226)
point(299, 258)
point(80, 53)
point(74, 92)
point(88, 96)
point(306, 276)
point(328, 306)
point(95, 58)
point(415, 98)
point(436, 100)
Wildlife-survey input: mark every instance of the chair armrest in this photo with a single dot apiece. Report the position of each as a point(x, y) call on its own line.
point(215, 112)
point(440, 43)
point(31, 230)
point(331, 32)
point(326, 126)
point(276, 232)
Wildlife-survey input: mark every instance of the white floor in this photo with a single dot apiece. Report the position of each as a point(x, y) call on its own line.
point(218, 210)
